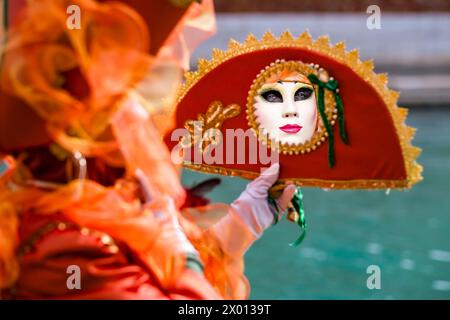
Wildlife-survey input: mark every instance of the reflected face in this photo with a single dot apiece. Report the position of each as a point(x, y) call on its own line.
point(286, 111)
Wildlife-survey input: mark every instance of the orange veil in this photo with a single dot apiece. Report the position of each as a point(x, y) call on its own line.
point(91, 87)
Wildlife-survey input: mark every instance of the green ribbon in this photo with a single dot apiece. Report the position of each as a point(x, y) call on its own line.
point(331, 85)
point(297, 202)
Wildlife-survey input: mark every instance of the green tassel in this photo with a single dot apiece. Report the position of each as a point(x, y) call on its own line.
point(321, 106)
point(297, 202)
point(340, 110)
point(331, 85)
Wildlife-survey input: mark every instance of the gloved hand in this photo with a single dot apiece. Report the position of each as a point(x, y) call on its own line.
point(251, 213)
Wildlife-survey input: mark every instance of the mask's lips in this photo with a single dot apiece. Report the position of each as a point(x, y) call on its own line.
point(291, 128)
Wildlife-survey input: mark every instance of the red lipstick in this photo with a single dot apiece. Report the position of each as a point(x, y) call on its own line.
point(291, 128)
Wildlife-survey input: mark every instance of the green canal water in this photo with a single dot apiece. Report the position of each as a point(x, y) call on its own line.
point(405, 233)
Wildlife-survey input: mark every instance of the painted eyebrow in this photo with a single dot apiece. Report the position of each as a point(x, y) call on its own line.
point(269, 87)
point(277, 87)
point(303, 85)
point(280, 82)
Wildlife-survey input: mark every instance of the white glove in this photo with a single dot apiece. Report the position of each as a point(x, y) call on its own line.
point(251, 213)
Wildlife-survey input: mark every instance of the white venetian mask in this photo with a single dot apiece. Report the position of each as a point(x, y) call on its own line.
point(286, 111)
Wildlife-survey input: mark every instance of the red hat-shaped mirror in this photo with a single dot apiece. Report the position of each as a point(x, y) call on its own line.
point(319, 111)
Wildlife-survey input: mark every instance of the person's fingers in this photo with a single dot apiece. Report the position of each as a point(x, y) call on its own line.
point(269, 176)
point(260, 186)
point(286, 197)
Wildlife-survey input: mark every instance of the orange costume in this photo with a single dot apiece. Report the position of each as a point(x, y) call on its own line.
point(82, 111)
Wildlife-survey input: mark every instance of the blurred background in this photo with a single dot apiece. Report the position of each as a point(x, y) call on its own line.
point(405, 233)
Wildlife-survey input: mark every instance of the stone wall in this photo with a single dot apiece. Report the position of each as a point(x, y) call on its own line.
point(330, 5)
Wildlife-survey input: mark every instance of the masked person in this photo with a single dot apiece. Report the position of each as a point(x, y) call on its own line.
point(89, 199)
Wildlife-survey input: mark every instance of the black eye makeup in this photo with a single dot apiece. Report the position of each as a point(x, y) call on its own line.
point(303, 94)
point(273, 96)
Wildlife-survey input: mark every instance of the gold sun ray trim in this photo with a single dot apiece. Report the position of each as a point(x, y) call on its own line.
point(402, 114)
point(304, 39)
point(394, 95)
point(368, 65)
point(268, 37)
point(287, 36)
point(323, 42)
point(383, 78)
point(353, 57)
point(217, 54)
point(233, 44)
point(337, 52)
point(202, 63)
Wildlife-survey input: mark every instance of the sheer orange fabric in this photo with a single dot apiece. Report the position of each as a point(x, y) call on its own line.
point(118, 212)
point(109, 50)
point(86, 85)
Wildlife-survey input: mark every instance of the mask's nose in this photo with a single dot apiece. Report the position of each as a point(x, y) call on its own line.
point(290, 115)
point(289, 109)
